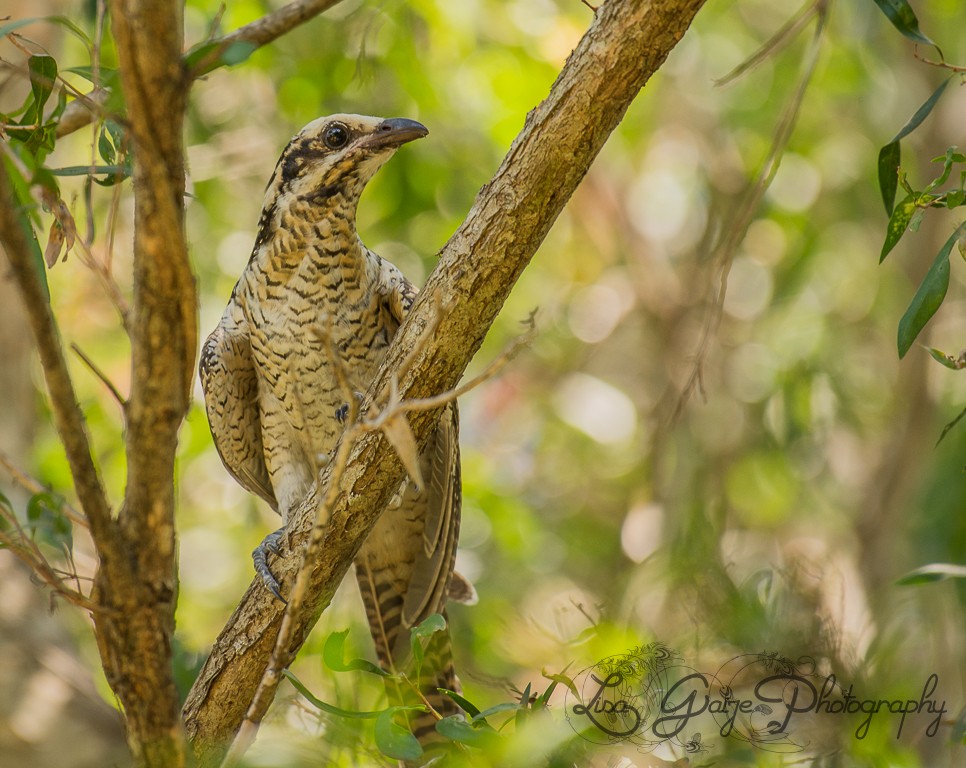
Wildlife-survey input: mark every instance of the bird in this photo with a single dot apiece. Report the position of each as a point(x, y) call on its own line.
point(275, 403)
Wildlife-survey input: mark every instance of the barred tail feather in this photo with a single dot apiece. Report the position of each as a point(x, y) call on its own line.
point(383, 610)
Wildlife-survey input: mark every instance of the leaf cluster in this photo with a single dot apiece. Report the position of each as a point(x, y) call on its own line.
point(475, 732)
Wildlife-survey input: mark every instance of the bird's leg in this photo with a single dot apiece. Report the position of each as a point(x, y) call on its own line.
point(260, 557)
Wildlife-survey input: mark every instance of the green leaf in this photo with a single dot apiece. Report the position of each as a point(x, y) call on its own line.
point(328, 708)
point(43, 74)
point(929, 297)
point(13, 26)
point(890, 154)
point(955, 198)
point(923, 112)
point(457, 729)
point(425, 629)
point(87, 72)
point(71, 27)
point(931, 573)
point(47, 522)
point(431, 624)
point(947, 360)
point(237, 52)
point(903, 18)
point(947, 160)
point(889, 158)
point(958, 734)
point(562, 679)
point(951, 154)
point(333, 655)
point(393, 740)
point(209, 56)
point(898, 223)
point(506, 706)
point(87, 170)
point(105, 148)
point(465, 704)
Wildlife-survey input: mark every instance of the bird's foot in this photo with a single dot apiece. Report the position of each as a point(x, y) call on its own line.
point(260, 557)
point(342, 412)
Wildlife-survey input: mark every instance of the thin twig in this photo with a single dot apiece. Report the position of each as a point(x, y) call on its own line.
point(727, 247)
point(939, 64)
point(492, 370)
point(100, 374)
point(34, 486)
point(27, 551)
point(773, 45)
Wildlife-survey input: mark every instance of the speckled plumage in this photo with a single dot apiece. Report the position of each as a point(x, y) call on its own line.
point(271, 392)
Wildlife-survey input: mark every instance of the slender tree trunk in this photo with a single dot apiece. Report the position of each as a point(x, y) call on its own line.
point(137, 582)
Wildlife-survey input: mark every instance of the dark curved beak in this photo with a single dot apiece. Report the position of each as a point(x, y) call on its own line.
point(395, 132)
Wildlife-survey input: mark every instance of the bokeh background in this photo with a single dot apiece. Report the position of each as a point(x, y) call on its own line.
point(772, 510)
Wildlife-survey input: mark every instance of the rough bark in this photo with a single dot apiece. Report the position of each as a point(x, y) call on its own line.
point(626, 44)
point(137, 582)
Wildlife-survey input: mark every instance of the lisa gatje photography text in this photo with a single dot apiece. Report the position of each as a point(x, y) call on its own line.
point(648, 698)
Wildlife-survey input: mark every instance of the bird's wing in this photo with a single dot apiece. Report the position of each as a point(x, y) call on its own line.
point(230, 384)
point(442, 503)
point(441, 500)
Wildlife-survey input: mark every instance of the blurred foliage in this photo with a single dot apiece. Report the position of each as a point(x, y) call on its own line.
point(775, 510)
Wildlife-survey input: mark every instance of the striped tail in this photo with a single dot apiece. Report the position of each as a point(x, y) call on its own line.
point(383, 606)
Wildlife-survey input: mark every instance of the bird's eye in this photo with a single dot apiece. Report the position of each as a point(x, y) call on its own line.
point(336, 136)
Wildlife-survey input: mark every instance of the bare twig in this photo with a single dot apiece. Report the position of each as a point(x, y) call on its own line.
point(774, 44)
point(731, 239)
point(16, 539)
point(491, 371)
point(34, 486)
point(100, 374)
point(25, 549)
point(939, 64)
point(102, 271)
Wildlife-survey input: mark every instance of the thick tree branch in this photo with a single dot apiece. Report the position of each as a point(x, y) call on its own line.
point(626, 44)
point(137, 582)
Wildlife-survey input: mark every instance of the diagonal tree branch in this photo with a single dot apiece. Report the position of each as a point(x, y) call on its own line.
point(266, 29)
point(626, 44)
point(271, 27)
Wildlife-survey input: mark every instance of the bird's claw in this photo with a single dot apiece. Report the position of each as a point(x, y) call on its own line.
point(342, 412)
point(260, 557)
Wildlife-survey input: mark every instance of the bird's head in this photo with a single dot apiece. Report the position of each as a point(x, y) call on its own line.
point(336, 156)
